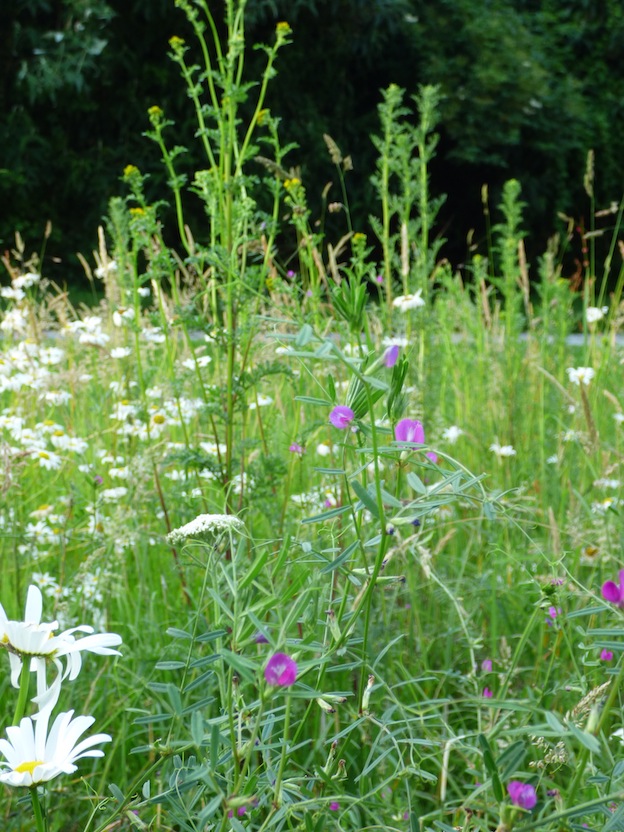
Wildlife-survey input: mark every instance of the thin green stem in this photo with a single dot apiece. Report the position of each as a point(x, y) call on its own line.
point(37, 810)
point(22, 698)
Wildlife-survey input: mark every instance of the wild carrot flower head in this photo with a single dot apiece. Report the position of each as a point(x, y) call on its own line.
point(522, 794)
point(341, 416)
point(613, 592)
point(281, 670)
point(410, 430)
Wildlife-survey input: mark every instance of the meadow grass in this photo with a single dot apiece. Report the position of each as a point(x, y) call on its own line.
point(351, 519)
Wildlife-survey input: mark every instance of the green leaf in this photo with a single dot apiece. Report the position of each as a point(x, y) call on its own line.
point(342, 557)
point(255, 569)
point(416, 483)
point(313, 400)
point(197, 728)
point(172, 665)
point(116, 793)
point(326, 515)
point(588, 740)
point(365, 497)
point(488, 760)
point(304, 336)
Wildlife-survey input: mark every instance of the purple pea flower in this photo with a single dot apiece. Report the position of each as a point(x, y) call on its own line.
point(341, 416)
point(296, 448)
point(606, 655)
point(391, 356)
point(433, 457)
point(409, 430)
point(522, 794)
point(260, 638)
point(281, 670)
point(614, 593)
point(486, 665)
point(487, 693)
point(334, 806)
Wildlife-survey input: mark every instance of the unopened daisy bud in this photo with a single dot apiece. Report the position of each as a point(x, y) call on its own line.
point(367, 693)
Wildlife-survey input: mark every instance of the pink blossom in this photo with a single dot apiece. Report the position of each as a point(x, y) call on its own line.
point(614, 593)
point(341, 416)
point(391, 356)
point(522, 794)
point(281, 670)
point(606, 655)
point(409, 430)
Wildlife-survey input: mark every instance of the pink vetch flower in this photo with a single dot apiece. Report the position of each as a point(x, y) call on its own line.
point(296, 448)
point(432, 456)
point(281, 670)
point(334, 806)
point(341, 416)
point(522, 794)
point(553, 613)
point(487, 693)
point(410, 430)
point(606, 655)
point(391, 355)
point(614, 593)
point(486, 665)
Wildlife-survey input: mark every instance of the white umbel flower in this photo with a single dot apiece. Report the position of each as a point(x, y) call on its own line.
point(595, 313)
point(580, 375)
point(206, 524)
point(34, 756)
point(34, 642)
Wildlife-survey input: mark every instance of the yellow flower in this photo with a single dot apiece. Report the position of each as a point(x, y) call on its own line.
point(130, 171)
point(176, 43)
point(155, 114)
point(359, 238)
point(263, 115)
point(290, 184)
point(137, 212)
point(283, 29)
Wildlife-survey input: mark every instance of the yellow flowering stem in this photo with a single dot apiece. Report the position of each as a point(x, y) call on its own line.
point(22, 698)
point(37, 810)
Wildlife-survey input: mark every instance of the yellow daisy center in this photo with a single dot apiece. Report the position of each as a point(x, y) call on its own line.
point(29, 767)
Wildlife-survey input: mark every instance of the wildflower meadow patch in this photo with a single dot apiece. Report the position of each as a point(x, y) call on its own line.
point(305, 533)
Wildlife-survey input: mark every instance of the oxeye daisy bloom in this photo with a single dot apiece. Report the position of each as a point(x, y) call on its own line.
point(35, 756)
point(410, 430)
point(281, 670)
point(33, 642)
point(341, 417)
point(406, 302)
point(613, 592)
point(522, 794)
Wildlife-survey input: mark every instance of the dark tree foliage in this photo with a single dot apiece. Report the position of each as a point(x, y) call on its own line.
point(529, 87)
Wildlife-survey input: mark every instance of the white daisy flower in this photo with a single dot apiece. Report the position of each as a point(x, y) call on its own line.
point(405, 302)
point(452, 434)
point(580, 375)
point(502, 450)
point(33, 641)
point(35, 756)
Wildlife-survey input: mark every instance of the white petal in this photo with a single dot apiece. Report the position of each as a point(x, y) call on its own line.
point(34, 605)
